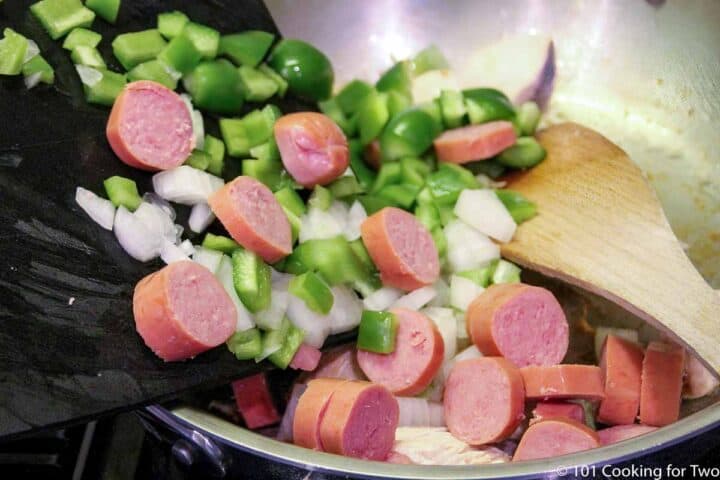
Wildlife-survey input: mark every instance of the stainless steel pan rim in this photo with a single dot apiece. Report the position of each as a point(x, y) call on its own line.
point(236, 437)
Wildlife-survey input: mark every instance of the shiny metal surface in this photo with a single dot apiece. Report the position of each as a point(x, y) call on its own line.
point(645, 74)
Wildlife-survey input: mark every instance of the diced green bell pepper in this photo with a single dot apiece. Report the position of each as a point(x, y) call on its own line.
point(258, 86)
point(180, 54)
point(520, 208)
point(377, 332)
point(353, 95)
point(480, 276)
point(251, 278)
point(408, 134)
point(292, 339)
point(106, 89)
point(428, 215)
point(266, 151)
point(289, 199)
point(526, 153)
point(487, 104)
point(331, 108)
point(216, 149)
point(320, 198)
point(528, 117)
point(81, 36)
point(358, 248)
point(373, 203)
point(390, 173)
point(220, 243)
point(171, 24)
point(307, 70)
point(245, 345)
point(90, 56)
point(372, 116)
point(414, 171)
point(345, 186)
point(489, 167)
point(12, 52)
point(38, 64)
point(282, 85)
point(506, 272)
point(397, 102)
point(107, 9)
point(452, 107)
point(402, 195)
point(137, 47)
point(58, 17)
point(267, 171)
point(153, 70)
point(448, 181)
point(333, 258)
point(429, 58)
point(123, 192)
point(246, 48)
point(198, 159)
point(364, 175)
point(440, 243)
point(215, 86)
point(312, 290)
point(398, 78)
point(205, 39)
point(433, 109)
point(295, 224)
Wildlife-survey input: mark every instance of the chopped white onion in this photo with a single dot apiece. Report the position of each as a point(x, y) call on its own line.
point(463, 291)
point(416, 299)
point(320, 224)
point(468, 354)
point(169, 253)
point(31, 81)
point(356, 216)
point(174, 74)
point(483, 210)
point(157, 221)
point(187, 101)
point(208, 258)
point(346, 310)
point(427, 86)
point(271, 318)
point(201, 216)
point(224, 274)
point(134, 237)
point(443, 294)
point(467, 248)
point(382, 298)
point(601, 334)
point(198, 129)
point(280, 280)
point(101, 210)
point(187, 247)
point(186, 185)
point(88, 75)
point(285, 431)
point(436, 446)
point(31, 50)
point(155, 199)
point(444, 319)
point(419, 412)
point(315, 325)
point(461, 323)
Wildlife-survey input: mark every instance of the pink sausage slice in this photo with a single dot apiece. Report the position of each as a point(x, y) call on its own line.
point(621, 365)
point(150, 127)
point(545, 410)
point(559, 382)
point(182, 310)
point(555, 437)
point(360, 421)
point(619, 433)
point(661, 384)
point(698, 379)
point(313, 148)
point(340, 362)
point(306, 358)
point(310, 411)
point(524, 324)
point(401, 248)
point(474, 142)
point(484, 400)
point(253, 217)
point(417, 357)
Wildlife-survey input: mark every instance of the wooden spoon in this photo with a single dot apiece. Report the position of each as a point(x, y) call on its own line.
point(601, 227)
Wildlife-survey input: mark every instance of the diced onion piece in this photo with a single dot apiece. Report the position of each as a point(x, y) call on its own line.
point(463, 291)
point(224, 274)
point(187, 247)
point(443, 294)
point(285, 432)
point(601, 334)
point(157, 221)
point(198, 129)
point(346, 310)
point(271, 318)
point(382, 298)
point(356, 216)
point(186, 185)
point(315, 325)
point(169, 253)
point(483, 210)
point(467, 248)
point(101, 210)
point(419, 412)
point(467, 354)
point(31, 81)
point(444, 319)
point(208, 258)
point(427, 86)
point(461, 323)
point(416, 299)
point(31, 50)
point(322, 224)
point(134, 237)
point(201, 216)
point(88, 76)
point(188, 102)
point(155, 199)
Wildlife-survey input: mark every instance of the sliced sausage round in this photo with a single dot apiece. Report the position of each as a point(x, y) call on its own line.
point(306, 358)
point(661, 384)
point(474, 142)
point(313, 148)
point(555, 437)
point(182, 310)
point(150, 127)
point(417, 357)
point(559, 382)
point(484, 400)
point(545, 410)
point(254, 218)
point(619, 433)
point(340, 362)
point(310, 410)
point(401, 248)
point(621, 366)
point(360, 421)
point(522, 323)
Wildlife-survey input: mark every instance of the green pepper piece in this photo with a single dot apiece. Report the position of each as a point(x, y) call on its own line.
point(320, 198)
point(428, 215)
point(372, 116)
point(433, 109)
point(282, 85)
point(153, 70)
point(489, 167)
point(58, 17)
point(220, 243)
point(198, 159)
point(307, 70)
point(520, 208)
point(331, 108)
point(295, 224)
point(251, 278)
point(408, 134)
point(81, 36)
point(487, 104)
point(312, 290)
point(353, 95)
point(358, 248)
point(216, 149)
point(365, 175)
point(215, 86)
point(38, 64)
point(429, 58)
point(528, 117)
point(345, 186)
point(374, 203)
point(137, 47)
point(506, 272)
point(289, 199)
point(12, 52)
point(246, 48)
point(171, 24)
point(267, 171)
point(377, 332)
point(390, 173)
point(402, 195)
point(266, 151)
point(107, 9)
point(440, 242)
point(180, 54)
point(89, 56)
point(205, 39)
point(234, 136)
point(414, 171)
point(123, 192)
point(480, 276)
point(398, 78)
point(106, 89)
point(452, 107)
point(397, 102)
point(526, 153)
point(292, 339)
point(258, 86)
point(259, 126)
point(448, 181)
point(333, 258)
point(245, 345)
